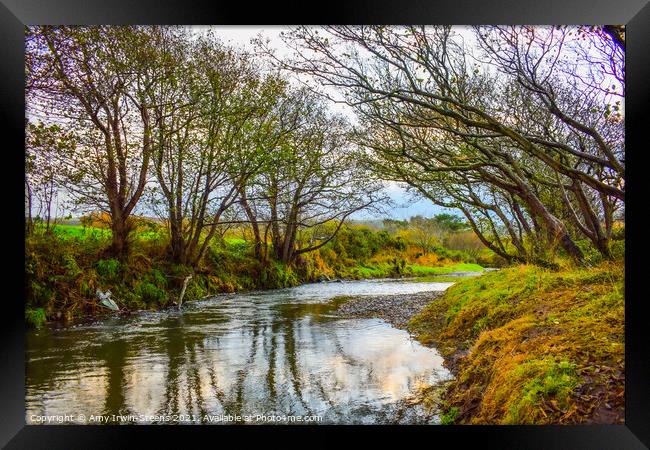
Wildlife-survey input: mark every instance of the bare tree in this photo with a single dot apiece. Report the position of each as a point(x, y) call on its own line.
point(44, 147)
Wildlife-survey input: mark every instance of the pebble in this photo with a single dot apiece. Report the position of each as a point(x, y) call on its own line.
point(394, 309)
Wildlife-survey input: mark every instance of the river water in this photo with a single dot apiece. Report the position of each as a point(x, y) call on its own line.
point(264, 357)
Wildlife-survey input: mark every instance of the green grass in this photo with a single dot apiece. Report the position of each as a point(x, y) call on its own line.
point(460, 267)
point(372, 272)
point(81, 232)
point(531, 345)
point(77, 231)
point(412, 271)
point(35, 317)
point(432, 279)
point(548, 381)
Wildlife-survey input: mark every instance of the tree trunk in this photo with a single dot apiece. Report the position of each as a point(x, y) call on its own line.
point(30, 221)
point(603, 247)
point(177, 243)
point(254, 224)
point(119, 246)
point(553, 225)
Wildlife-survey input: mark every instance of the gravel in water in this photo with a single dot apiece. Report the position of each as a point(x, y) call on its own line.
point(394, 309)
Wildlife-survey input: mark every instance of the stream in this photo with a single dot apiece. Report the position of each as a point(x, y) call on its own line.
point(280, 356)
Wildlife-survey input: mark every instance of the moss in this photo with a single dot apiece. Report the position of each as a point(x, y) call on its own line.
point(530, 345)
point(449, 417)
point(548, 381)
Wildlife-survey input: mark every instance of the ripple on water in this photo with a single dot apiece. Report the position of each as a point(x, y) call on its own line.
point(239, 354)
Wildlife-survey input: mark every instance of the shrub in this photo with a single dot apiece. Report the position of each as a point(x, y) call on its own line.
point(196, 288)
point(398, 267)
point(108, 268)
point(278, 275)
point(150, 293)
point(35, 317)
point(40, 293)
point(158, 278)
point(618, 249)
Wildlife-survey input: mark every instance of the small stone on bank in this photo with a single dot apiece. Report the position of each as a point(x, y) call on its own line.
point(394, 309)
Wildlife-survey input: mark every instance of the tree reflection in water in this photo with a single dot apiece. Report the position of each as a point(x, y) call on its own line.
point(262, 353)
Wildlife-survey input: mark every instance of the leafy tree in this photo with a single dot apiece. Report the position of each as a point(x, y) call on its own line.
point(501, 141)
point(95, 81)
point(426, 233)
point(209, 113)
point(44, 146)
point(450, 222)
point(312, 177)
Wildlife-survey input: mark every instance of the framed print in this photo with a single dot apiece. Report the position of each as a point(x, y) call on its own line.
point(404, 219)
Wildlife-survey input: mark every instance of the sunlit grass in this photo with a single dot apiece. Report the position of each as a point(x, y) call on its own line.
point(419, 270)
point(542, 346)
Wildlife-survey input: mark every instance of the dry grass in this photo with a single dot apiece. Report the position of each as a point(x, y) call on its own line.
point(532, 346)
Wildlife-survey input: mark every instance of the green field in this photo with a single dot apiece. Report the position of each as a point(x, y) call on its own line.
point(81, 232)
point(460, 267)
point(78, 231)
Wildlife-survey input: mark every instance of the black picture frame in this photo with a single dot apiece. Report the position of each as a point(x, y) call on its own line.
point(15, 14)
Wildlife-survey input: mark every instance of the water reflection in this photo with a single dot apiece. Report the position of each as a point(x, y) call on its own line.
point(274, 353)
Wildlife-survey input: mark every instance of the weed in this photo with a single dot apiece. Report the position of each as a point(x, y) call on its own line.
point(35, 317)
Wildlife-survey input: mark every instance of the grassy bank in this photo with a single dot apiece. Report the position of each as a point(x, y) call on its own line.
point(65, 266)
point(532, 346)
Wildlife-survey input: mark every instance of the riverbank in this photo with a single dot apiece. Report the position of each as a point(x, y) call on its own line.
point(64, 271)
point(526, 345)
point(397, 310)
point(531, 346)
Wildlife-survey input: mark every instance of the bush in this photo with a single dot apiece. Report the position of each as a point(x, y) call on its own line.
point(158, 278)
point(35, 317)
point(278, 275)
point(398, 267)
point(150, 293)
point(196, 288)
point(453, 255)
point(618, 249)
point(40, 293)
point(108, 268)
point(592, 255)
point(360, 244)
